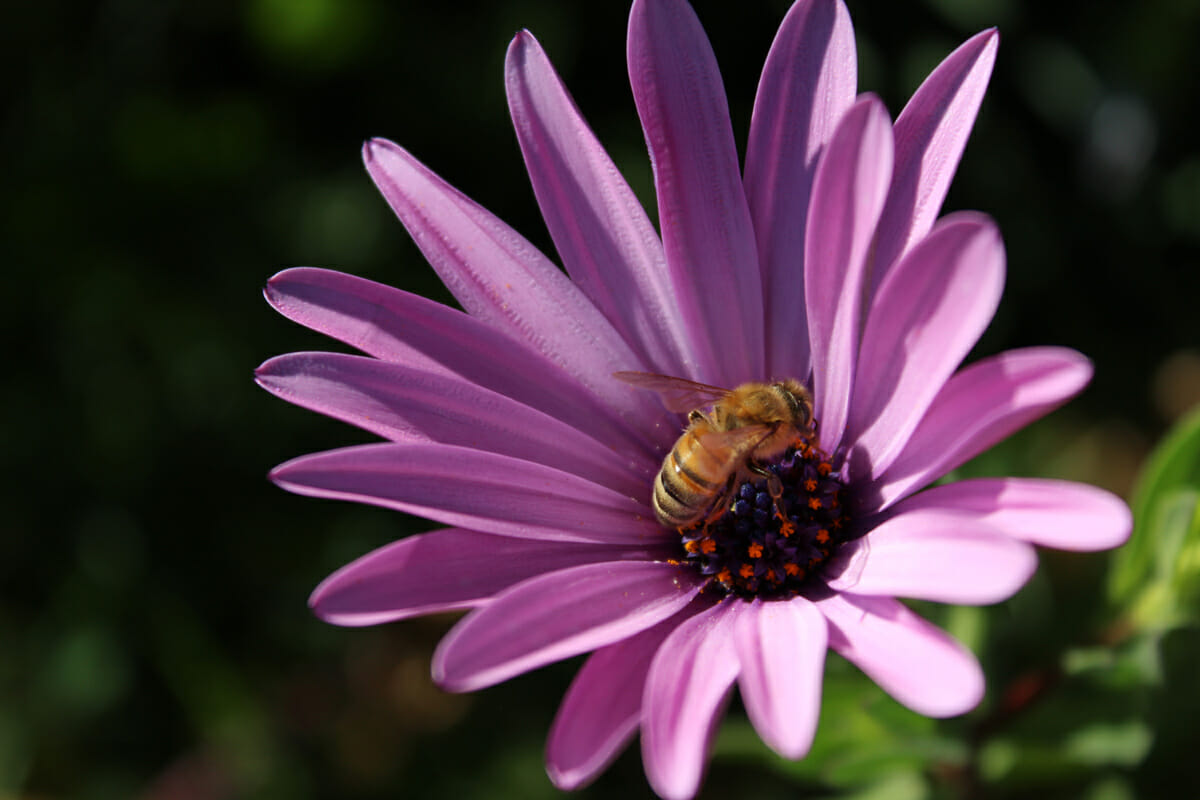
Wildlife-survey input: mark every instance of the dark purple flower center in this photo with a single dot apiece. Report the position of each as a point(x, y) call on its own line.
point(763, 546)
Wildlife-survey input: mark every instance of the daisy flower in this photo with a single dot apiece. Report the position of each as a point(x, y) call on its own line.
point(823, 261)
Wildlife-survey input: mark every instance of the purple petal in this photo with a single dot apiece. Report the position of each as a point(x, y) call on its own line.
point(405, 404)
point(444, 571)
point(1060, 514)
point(602, 233)
point(603, 708)
point(503, 280)
point(689, 679)
point(941, 555)
point(472, 489)
point(397, 326)
point(556, 616)
point(702, 212)
point(807, 83)
point(913, 661)
point(978, 407)
point(848, 193)
point(781, 649)
point(925, 318)
point(931, 133)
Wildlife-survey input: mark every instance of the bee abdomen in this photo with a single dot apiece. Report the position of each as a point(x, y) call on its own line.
point(681, 496)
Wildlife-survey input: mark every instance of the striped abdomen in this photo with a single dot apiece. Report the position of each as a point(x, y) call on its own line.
point(691, 479)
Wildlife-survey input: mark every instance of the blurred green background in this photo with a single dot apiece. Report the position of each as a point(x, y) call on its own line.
point(164, 157)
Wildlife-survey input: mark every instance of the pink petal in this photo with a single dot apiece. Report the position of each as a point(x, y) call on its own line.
point(702, 212)
point(602, 233)
point(1060, 514)
point(473, 489)
point(397, 326)
point(406, 404)
point(503, 280)
point(926, 316)
point(938, 554)
point(913, 661)
point(848, 193)
point(689, 679)
point(931, 133)
point(978, 407)
point(781, 649)
point(807, 83)
point(603, 708)
point(556, 616)
point(444, 571)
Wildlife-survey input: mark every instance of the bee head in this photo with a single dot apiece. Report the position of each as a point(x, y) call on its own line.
point(799, 401)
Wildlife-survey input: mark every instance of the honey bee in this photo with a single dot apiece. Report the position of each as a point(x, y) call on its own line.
point(746, 427)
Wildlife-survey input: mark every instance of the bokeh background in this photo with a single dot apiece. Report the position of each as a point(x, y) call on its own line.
point(162, 158)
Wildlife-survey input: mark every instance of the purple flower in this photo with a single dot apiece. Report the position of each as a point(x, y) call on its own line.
point(823, 261)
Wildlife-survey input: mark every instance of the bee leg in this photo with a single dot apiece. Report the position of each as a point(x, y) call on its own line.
point(721, 504)
point(775, 489)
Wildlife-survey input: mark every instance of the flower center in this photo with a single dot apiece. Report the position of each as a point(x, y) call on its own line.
point(766, 546)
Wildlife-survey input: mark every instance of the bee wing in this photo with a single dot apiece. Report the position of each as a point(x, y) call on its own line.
point(736, 444)
point(678, 394)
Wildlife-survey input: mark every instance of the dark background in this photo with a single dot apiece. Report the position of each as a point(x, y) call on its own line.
point(163, 158)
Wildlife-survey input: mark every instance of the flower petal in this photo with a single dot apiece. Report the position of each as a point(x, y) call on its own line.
point(556, 616)
point(602, 233)
point(978, 407)
point(912, 660)
point(401, 327)
point(405, 404)
point(941, 555)
point(689, 678)
point(702, 212)
point(444, 571)
point(473, 489)
point(848, 193)
point(931, 133)
point(807, 83)
point(1060, 514)
point(603, 708)
point(926, 317)
point(781, 649)
point(500, 278)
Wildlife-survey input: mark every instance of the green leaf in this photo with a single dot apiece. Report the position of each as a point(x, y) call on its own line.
point(1024, 762)
point(896, 786)
point(1169, 769)
point(1154, 576)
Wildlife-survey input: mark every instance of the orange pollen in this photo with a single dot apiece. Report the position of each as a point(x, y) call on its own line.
point(773, 530)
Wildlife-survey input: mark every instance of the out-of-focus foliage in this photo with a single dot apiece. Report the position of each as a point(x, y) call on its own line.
point(1157, 575)
point(163, 157)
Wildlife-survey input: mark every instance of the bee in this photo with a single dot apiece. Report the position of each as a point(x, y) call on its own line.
point(745, 427)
